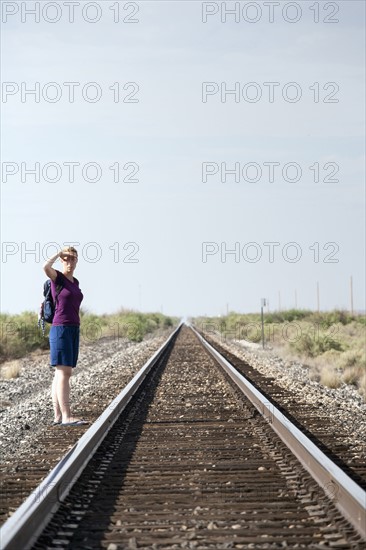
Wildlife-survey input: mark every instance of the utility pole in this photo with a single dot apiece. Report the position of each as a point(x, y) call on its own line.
point(318, 296)
point(279, 300)
point(351, 289)
point(295, 299)
point(263, 303)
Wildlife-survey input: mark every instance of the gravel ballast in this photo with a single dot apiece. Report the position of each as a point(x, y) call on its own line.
point(104, 368)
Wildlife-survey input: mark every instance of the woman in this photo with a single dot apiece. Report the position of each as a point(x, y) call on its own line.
point(64, 332)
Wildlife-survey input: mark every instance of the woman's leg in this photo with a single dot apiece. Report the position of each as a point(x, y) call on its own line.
point(55, 403)
point(63, 391)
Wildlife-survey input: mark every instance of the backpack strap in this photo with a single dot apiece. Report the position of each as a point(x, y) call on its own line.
point(41, 320)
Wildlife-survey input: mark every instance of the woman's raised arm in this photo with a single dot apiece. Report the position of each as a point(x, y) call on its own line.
point(48, 269)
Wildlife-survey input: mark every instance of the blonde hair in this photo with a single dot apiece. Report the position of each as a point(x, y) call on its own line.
point(69, 250)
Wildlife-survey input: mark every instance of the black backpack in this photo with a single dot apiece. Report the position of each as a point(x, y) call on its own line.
point(47, 311)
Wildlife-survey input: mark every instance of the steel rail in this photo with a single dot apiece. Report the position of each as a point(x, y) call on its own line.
point(22, 529)
point(346, 495)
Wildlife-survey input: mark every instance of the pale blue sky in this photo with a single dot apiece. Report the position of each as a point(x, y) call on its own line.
point(169, 213)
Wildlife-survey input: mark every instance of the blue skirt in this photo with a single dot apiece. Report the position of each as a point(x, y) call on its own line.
point(64, 345)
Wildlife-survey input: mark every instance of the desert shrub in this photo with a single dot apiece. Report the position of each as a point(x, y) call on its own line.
point(167, 322)
point(10, 369)
point(330, 378)
point(286, 316)
point(312, 346)
point(362, 385)
point(329, 318)
point(19, 335)
point(352, 358)
point(352, 375)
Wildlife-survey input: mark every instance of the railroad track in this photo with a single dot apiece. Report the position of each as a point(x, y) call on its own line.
point(312, 420)
point(186, 461)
